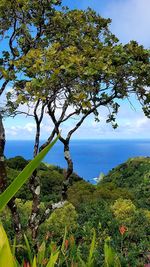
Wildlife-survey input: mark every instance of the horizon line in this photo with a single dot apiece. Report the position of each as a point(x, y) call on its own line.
point(85, 139)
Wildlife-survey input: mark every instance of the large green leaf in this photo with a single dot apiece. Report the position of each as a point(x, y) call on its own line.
point(12, 189)
point(6, 257)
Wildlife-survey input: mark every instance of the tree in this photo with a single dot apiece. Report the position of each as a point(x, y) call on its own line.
point(82, 71)
point(22, 26)
point(77, 68)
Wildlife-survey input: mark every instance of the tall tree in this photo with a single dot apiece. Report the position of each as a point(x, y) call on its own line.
point(22, 27)
point(80, 68)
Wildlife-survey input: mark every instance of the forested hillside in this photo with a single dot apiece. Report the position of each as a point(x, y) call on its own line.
point(117, 207)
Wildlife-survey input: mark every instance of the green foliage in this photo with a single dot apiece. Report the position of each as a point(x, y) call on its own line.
point(82, 61)
point(29, 251)
point(51, 182)
point(132, 176)
point(24, 192)
point(59, 255)
point(6, 219)
point(41, 259)
point(109, 192)
point(142, 194)
point(111, 258)
point(106, 213)
point(129, 174)
point(95, 215)
point(6, 257)
point(72, 55)
point(104, 207)
point(80, 192)
point(91, 259)
point(51, 178)
point(124, 210)
point(23, 176)
point(60, 219)
point(18, 163)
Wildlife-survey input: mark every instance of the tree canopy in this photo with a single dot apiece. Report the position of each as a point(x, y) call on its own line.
point(82, 65)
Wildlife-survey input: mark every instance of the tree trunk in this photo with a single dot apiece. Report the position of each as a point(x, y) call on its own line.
point(3, 182)
point(3, 179)
point(35, 188)
point(16, 219)
point(68, 172)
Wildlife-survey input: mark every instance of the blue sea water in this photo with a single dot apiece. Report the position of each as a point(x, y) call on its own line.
point(90, 157)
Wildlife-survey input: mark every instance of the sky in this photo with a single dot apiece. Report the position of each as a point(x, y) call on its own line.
point(130, 21)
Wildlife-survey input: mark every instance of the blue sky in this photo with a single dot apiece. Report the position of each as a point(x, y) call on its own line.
point(130, 20)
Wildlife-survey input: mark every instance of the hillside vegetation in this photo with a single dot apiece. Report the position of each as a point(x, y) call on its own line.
point(117, 207)
point(134, 176)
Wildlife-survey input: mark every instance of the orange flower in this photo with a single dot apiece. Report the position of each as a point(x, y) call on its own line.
point(123, 229)
point(26, 264)
point(66, 244)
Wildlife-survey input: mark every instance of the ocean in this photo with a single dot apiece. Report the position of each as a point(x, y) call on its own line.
point(90, 157)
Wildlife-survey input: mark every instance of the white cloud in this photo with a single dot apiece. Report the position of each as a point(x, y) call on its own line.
point(30, 127)
point(16, 131)
point(132, 124)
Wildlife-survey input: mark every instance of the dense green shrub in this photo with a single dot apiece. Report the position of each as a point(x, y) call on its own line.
point(54, 226)
point(16, 163)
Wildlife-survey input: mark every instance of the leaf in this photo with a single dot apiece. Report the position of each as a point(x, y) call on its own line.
point(18, 182)
point(14, 247)
point(6, 257)
point(34, 262)
point(109, 255)
point(92, 247)
point(41, 253)
point(53, 259)
point(90, 261)
point(82, 263)
point(111, 258)
point(54, 1)
point(28, 249)
point(4, 73)
point(63, 243)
